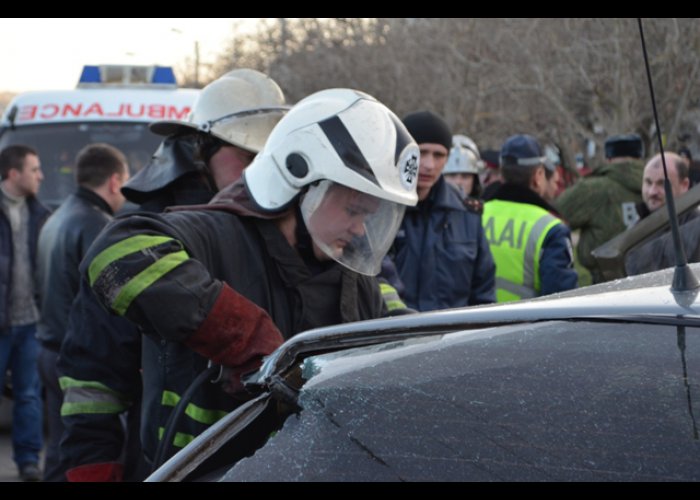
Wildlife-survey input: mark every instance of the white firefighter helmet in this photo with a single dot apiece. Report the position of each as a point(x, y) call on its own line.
point(241, 108)
point(340, 137)
point(464, 157)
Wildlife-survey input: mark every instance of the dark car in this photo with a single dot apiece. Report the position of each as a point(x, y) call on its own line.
point(595, 384)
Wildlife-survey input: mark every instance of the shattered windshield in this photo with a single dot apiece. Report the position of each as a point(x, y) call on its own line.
point(550, 401)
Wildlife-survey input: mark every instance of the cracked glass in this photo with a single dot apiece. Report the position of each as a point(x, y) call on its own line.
point(553, 401)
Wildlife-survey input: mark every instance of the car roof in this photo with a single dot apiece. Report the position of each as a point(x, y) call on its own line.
point(646, 298)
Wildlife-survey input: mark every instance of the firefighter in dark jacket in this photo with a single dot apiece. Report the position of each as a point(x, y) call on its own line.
point(293, 245)
point(101, 354)
point(101, 170)
point(101, 357)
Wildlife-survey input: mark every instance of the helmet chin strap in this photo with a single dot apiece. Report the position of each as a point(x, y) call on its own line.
point(206, 147)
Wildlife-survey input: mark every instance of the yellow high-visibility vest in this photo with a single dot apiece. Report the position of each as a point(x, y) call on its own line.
point(515, 232)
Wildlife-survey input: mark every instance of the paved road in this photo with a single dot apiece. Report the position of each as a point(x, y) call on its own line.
point(8, 470)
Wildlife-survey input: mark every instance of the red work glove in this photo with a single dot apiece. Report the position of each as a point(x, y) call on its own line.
point(236, 333)
point(231, 379)
point(106, 472)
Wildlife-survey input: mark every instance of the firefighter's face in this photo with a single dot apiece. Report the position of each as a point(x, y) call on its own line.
point(462, 181)
point(340, 218)
point(228, 163)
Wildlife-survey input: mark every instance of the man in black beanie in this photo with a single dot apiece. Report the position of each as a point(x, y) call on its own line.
point(440, 251)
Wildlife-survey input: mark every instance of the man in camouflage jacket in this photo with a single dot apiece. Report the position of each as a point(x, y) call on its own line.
point(603, 204)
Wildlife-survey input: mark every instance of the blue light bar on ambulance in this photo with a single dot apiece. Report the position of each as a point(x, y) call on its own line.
point(127, 76)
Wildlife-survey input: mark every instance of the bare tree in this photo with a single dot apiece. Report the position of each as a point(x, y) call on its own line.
point(563, 80)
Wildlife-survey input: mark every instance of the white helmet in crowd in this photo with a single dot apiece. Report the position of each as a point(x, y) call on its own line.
point(464, 157)
point(241, 108)
point(340, 137)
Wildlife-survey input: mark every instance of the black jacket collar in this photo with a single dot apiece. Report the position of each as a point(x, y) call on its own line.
point(519, 194)
point(442, 195)
point(94, 199)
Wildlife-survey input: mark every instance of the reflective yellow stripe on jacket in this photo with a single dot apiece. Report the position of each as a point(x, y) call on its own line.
point(196, 413)
point(137, 284)
point(87, 396)
point(516, 232)
point(391, 297)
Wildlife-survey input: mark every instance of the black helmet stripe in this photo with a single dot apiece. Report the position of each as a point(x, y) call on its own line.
point(403, 138)
point(346, 147)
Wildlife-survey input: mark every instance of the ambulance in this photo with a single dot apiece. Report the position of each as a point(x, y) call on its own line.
point(112, 104)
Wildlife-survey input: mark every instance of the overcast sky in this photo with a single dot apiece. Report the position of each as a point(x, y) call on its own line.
point(48, 54)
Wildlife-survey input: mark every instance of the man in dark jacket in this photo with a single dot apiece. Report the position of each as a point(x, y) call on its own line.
point(21, 218)
point(530, 244)
point(101, 356)
point(100, 172)
point(657, 253)
point(289, 247)
point(440, 251)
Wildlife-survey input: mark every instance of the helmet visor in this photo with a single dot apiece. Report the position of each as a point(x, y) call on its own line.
point(248, 129)
point(351, 227)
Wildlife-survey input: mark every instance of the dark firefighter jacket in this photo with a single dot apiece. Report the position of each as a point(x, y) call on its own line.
point(100, 361)
point(166, 272)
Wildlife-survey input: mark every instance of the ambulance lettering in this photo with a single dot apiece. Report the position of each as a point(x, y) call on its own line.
point(27, 113)
point(94, 109)
point(49, 111)
point(52, 111)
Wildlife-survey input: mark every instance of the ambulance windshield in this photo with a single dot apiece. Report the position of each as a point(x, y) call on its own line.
point(58, 145)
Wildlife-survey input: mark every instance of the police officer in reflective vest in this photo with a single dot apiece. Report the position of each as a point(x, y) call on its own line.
point(530, 244)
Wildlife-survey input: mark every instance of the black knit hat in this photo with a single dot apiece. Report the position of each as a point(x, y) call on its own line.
point(624, 145)
point(426, 127)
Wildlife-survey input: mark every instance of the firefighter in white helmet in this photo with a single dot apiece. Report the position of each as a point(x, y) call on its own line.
point(103, 355)
point(294, 245)
point(463, 166)
point(231, 120)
